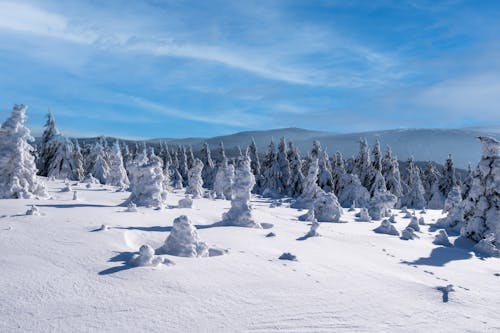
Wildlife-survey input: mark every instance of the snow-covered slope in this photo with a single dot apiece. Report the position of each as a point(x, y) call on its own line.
point(60, 273)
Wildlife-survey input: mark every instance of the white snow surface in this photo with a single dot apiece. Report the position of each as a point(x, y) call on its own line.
point(58, 274)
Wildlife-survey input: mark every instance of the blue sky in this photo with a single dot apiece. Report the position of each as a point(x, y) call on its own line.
point(143, 69)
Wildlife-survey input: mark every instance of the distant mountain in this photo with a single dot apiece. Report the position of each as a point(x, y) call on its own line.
point(422, 144)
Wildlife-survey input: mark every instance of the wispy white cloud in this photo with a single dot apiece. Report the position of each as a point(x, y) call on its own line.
point(280, 61)
point(229, 117)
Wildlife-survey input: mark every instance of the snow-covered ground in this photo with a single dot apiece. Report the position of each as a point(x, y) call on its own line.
point(60, 273)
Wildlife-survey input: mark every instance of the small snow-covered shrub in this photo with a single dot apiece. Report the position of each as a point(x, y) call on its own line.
point(364, 216)
point(309, 216)
point(184, 241)
point(75, 195)
point(392, 218)
point(386, 228)
point(421, 221)
point(67, 188)
point(442, 239)
point(313, 232)
point(381, 203)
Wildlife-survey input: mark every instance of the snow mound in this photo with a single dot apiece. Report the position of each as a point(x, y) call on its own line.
point(414, 224)
point(186, 202)
point(442, 239)
point(408, 233)
point(33, 211)
point(386, 228)
point(75, 195)
point(421, 221)
point(184, 241)
point(146, 257)
point(287, 256)
point(67, 188)
point(485, 247)
point(131, 208)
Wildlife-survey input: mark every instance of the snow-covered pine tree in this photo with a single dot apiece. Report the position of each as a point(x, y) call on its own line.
point(272, 185)
point(117, 174)
point(430, 181)
point(17, 164)
point(297, 178)
point(338, 170)
point(387, 162)
point(377, 156)
point(78, 158)
point(224, 177)
point(414, 194)
point(351, 191)
point(254, 158)
point(393, 179)
point(362, 164)
point(284, 167)
point(100, 169)
point(47, 147)
point(189, 157)
point(467, 183)
point(325, 178)
point(183, 168)
point(448, 179)
point(195, 180)
point(240, 213)
point(310, 189)
point(482, 206)
point(62, 164)
point(208, 173)
point(148, 190)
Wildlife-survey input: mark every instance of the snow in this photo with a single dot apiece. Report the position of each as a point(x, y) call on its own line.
point(59, 276)
point(183, 240)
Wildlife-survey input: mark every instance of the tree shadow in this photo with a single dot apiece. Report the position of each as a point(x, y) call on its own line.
point(123, 257)
point(158, 228)
point(440, 256)
point(73, 205)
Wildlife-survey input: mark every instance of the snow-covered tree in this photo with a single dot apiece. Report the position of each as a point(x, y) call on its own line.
point(296, 176)
point(362, 164)
point(209, 171)
point(467, 183)
point(414, 194)
point(380, 204)
point(63, 164)
point(17, 164)
point(117, 175)
point(47, 147)
point(310, 189)
point(271, 171)
point(453, 207)
point(254, 158)
point(224, 177)
point(377, 156)
point(195, 181)
point(387, 162)
point(448, 179)
point(78, 159)
point(430, 181)
point(100, 169)
point(183, 167)
point(393, 179)
point(140, 159)
point(284, 167)
point(482, 206)
point(351, 191)
point(189, 158)
point(325, 178)
point(148, 189)
point(338, 171)
point(240, 213)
